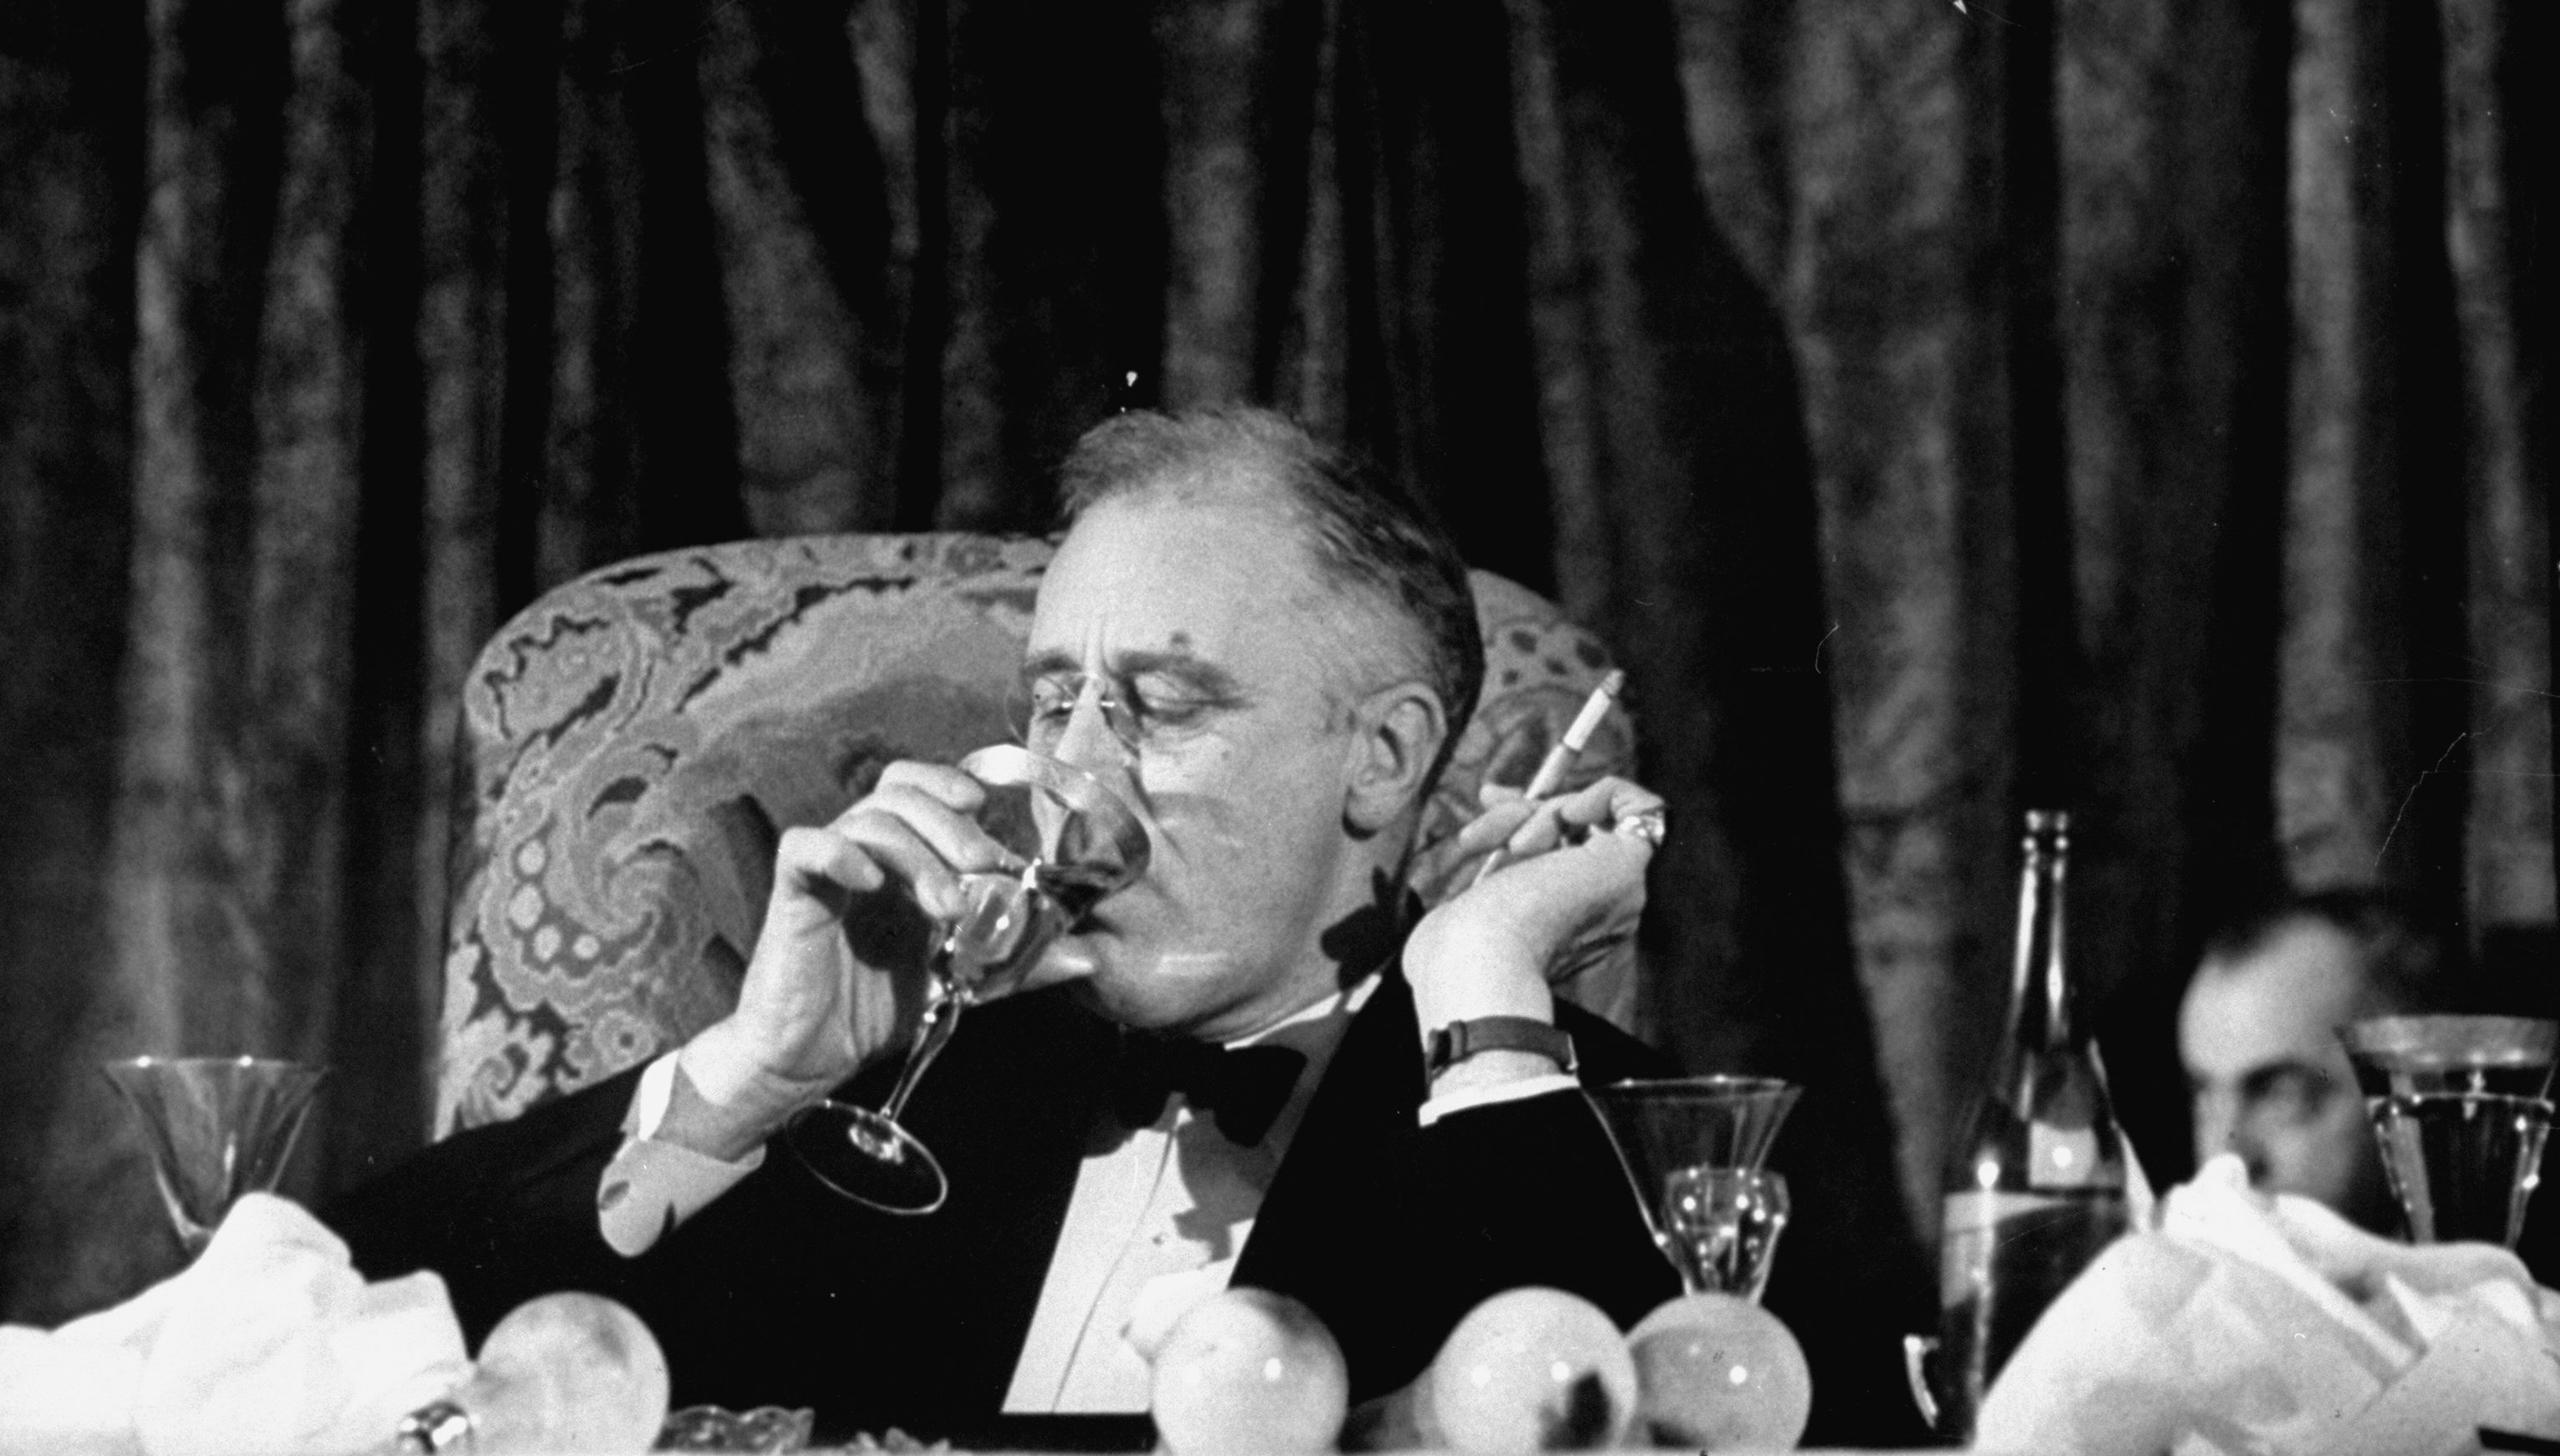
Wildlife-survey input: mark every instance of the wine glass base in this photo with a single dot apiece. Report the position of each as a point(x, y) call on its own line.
point(866, 1158)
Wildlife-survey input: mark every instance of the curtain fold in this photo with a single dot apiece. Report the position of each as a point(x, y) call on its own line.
point(813, 373)
point(470, 306)
point(1885, 202)
point(71, 149)
point(2341, 757)
point(2169, 266)
point(2142, 408)
point(2508, 870)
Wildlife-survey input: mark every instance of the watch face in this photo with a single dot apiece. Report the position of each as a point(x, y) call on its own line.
point(1444, 1047)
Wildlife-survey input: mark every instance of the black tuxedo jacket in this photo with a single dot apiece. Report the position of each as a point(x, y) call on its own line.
point(782, 1292)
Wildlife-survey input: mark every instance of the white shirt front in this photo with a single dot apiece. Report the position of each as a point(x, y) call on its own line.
point(1154, 1226)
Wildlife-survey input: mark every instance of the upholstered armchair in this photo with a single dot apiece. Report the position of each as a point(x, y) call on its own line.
point(636, 741)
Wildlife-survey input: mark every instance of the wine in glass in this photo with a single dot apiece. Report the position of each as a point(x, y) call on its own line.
point(1072, 841)
point(2461, 1105)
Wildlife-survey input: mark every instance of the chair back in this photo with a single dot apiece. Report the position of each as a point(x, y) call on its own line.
point(637, 740)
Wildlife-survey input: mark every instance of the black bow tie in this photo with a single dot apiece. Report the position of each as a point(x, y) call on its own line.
point(1245, 1087)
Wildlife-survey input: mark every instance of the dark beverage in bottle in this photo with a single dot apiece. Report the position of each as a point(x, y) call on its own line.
point(2035, 1187)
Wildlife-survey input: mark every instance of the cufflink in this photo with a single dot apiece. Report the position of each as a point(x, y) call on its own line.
point(437, 1426)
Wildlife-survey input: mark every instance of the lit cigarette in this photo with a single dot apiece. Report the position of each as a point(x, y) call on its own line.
point(1551, 770)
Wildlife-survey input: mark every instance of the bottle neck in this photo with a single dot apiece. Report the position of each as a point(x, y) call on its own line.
point(2040, 998)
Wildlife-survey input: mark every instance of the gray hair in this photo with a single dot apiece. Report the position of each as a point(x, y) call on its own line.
point(1363, 532)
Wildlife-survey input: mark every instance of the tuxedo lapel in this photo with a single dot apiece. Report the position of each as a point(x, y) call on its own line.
point(1341, 1224)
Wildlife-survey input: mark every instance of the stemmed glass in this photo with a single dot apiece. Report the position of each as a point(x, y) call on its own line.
point(1713, 1369)
point(218, 1127)
point(2461, 1106)
point(1694, 1147)
point(1074, 842)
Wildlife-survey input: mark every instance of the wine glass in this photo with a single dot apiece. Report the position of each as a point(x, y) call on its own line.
point(1072, 841)
point(1694, 1147)
point(218, 1127)
point(2461, 1106)
point(1713, 1369)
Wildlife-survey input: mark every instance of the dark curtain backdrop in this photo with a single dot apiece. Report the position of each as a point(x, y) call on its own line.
point(2138, 405)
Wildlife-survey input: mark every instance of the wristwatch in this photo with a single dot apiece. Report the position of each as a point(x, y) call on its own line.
point(1458, 1040)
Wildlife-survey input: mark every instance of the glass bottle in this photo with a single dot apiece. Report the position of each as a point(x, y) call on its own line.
point(2036, 1186)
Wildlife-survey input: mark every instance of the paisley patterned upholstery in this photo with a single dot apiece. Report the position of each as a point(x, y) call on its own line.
point(638, 738)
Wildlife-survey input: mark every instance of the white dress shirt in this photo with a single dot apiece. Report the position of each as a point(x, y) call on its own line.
point(1157, 1219)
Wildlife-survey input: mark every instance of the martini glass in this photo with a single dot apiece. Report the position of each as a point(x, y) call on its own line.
point(2461, 1106)
point(218, 1127)
point(1694, 1147)
point(1071, 841)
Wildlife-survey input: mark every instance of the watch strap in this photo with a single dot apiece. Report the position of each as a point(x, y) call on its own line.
point(1458, 1040)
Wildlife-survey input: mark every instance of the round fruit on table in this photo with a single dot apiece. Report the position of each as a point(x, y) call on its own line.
point(1718, 1373)
point(1532, 1369)
point(1247, 1369)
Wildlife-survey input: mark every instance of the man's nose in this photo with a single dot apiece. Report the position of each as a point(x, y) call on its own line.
point(1088, 741)
point(2247, 1139)
point(2218, 1130)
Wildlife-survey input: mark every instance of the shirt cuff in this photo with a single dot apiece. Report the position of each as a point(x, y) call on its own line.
point(1528, 1086)
point(650, 1186)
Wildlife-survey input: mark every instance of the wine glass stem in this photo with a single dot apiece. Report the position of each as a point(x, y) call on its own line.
point(941, 1018)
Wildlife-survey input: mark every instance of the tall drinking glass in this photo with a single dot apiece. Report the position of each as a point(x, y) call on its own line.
point(1693, 1146)
point(2461, 1105)
point(218, 1127)
point(1072, 841)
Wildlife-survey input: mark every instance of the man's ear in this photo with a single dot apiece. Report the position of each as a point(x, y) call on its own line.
point(1397, 733)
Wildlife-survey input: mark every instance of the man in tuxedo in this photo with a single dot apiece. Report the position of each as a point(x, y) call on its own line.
point(1270, 653)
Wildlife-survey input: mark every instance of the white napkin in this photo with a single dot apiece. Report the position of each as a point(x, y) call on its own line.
point(270, 1343)
point(70, 1389)
point(2258, 1324)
